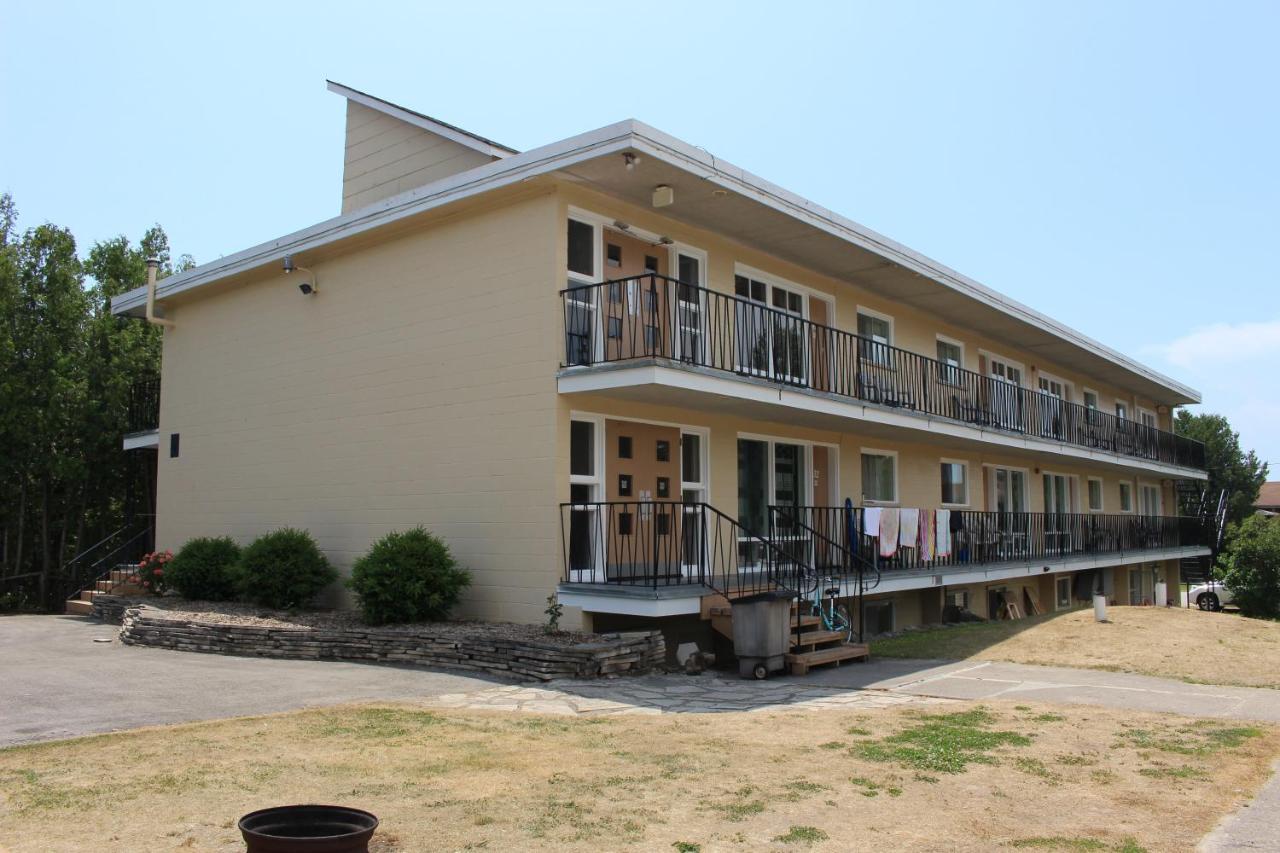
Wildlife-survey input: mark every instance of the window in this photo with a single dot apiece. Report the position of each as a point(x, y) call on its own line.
point(1053, 387)
point(664, 488)
point(955, 483)
point(951, 355)
point(582, 453)
point(1095, 494)
point(1122, 411)
point(1007, 488)
point(1063, 595)
point(624, 485)
point(1091, 400)
point(1135, 586)
point(624, 447)
point(770, 342)
point(876, 333)
point(1149, 502)
point(613, 255)
point(877, 617)
point(1126, 497)
point(582, 248)
point(879, 476)
point(957, 598)
point(663, 450)
point(1146, 418)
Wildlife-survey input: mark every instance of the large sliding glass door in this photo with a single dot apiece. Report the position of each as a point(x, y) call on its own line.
point(772, 473)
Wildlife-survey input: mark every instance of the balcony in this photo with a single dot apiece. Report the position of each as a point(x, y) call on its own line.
point(671, 551)
point(142, 418)
point(659, 320)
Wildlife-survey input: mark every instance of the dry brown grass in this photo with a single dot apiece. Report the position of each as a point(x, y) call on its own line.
point(1057, 778)
point(1191, 645)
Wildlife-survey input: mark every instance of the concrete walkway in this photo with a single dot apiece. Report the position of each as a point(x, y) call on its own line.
point(981, 680)
point(57, 681)
point(1254, 827)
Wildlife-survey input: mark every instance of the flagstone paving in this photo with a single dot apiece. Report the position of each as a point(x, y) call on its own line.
point(672, 694)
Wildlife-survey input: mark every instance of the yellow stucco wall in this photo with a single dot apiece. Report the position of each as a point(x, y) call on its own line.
point(417, 387)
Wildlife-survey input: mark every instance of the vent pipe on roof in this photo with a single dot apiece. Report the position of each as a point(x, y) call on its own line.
point(153, 267)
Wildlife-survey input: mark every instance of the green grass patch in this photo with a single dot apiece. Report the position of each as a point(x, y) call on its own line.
point(943, 743)
point(1203, 738)
point(802, 835)
point(1074, 844)
point(687, 847)
point(1185, 772)
point(1036, 767)
point(375, 723)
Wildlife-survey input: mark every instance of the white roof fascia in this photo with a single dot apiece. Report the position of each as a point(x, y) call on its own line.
point(471, 141)
point(712, 168)
point(518, 167)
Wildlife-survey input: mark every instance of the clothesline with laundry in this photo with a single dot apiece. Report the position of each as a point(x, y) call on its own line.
point(927, 531)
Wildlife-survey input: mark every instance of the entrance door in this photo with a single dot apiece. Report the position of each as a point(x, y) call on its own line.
point(1007, 537)
point(770, 342)
point(637, 322)
point(1005, 392)
point(642, 482)
point(1057, 506)
point(1052, 396)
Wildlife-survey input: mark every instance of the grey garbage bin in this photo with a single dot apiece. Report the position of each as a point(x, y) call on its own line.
point(761, 632)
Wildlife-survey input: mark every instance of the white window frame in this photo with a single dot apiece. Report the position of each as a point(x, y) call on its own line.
point(833, 460)
point(1102, 494)
point(1085, 390)
point(1071, 479)
point(596, 482)
point(771, 281)
point(1155, 419)
point(1067, 387)
point(962, 591)
point(878, 315)
point(1026, 486)
point(1057, 602)
point(1137, 501)
point(1007, 362)
point(968, 483)
point(597, 223)
point(704, 464)
point(1133, 495)
point(1121, 404)
point(897, 473)
point(945, 369)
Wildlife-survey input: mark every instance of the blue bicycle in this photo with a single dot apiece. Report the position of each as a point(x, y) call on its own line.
point(825, 605)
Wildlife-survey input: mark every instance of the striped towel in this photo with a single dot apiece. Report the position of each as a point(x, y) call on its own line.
point(888, 531)
point(928, 534)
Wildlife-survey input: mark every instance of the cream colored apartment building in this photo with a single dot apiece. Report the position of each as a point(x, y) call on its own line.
point(618, 369)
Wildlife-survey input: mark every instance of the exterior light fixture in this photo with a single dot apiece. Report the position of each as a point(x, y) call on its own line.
point(666, 241)
point(621, 226)
point(307, 288)
point(663, 195)
point(630, 161)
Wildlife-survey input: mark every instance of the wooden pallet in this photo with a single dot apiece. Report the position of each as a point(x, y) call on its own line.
point(801, 662)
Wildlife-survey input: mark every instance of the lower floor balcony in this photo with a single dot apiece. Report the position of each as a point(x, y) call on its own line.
point(662, 557)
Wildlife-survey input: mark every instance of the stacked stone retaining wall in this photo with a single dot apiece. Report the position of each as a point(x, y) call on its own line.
point(628, 653)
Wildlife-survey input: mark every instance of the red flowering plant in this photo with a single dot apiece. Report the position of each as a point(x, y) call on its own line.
point(150, 574)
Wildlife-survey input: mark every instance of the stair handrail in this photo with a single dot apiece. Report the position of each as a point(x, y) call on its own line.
point(96, 572)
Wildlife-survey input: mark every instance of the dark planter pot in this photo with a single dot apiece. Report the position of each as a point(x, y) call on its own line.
point(308, 829)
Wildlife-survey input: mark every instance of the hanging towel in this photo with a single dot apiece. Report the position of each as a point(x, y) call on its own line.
point(888, 531)
point(928, 534)
point(910, 529)
point(944, 532)
point(871, 521)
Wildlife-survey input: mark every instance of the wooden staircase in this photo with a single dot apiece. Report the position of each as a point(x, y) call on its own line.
point(811, 644)
point(117, 582)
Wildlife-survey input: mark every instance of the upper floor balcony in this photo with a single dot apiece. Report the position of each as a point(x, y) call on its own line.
point(652, 319)
point(142, 418)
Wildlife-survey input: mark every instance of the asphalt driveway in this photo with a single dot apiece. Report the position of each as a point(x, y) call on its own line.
point(57, 681)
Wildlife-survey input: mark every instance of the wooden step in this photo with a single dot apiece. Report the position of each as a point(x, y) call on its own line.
point(88, 594)
point(79, 608)
point(814, 638)
point(800, 663)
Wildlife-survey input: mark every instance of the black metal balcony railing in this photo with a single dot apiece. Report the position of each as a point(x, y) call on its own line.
point(672, 544)
point(655, 317)
point(988, 538)
point(143, 414)
point(667, 543)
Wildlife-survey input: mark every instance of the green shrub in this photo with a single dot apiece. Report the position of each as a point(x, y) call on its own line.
point(1250, 565)
point(205, 569)
point(407, 577)
point(283, 569)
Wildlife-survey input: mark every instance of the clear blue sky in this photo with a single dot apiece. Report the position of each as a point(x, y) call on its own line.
point(1112, 164)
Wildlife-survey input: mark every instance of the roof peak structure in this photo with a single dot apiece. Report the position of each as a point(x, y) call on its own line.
point(710, 189)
